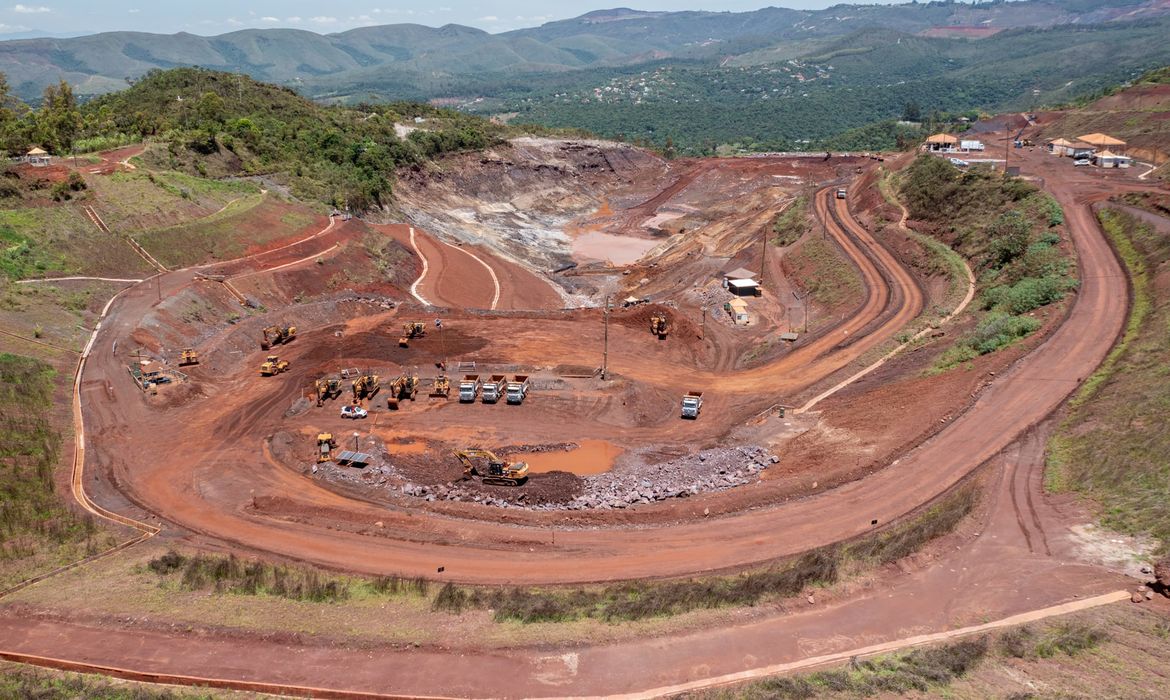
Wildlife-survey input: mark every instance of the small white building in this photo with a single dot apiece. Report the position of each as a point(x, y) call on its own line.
point(738, 310)
point(746, 287)
point(1109, 159)
point(969, 146)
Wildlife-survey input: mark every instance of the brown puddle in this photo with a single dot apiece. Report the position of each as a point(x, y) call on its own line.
point(592, 457)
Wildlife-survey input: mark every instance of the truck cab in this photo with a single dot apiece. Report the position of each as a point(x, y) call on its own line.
point(692, 404)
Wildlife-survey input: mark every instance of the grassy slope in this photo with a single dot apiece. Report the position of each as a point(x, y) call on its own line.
point(1113, 445)
point(1118, 651)
point(37, 530)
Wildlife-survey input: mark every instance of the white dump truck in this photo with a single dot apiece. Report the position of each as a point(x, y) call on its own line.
point(518, 389)
point(469, 388)
point(692, 404)
point(494, 387)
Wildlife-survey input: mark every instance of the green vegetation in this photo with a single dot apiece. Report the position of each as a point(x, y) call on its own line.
point(1112, 446)
point(226, 124)
point(19, 258)
point(927, 670)
point(36, 528)
point(1009, 230)
point(17, 681)
point(920, 670)
point(791, 223)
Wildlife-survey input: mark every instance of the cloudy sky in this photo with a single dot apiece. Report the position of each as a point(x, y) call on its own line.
point(219, 16)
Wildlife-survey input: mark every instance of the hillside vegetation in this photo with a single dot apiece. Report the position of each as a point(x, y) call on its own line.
point(1009, 231)
point(1113, 446)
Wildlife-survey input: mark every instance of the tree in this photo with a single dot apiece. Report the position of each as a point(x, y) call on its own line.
point(58, 120)
point(911, 112)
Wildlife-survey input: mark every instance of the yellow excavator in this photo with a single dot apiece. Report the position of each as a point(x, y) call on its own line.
point(327, 388)
point(490, 468)
point(188, 357)
point(272, 366)
point(404, 387)
point(325, 446)
point(365, 387)
point(410, 331)
point(275, 335)
point(441, 389)
point(660, 326)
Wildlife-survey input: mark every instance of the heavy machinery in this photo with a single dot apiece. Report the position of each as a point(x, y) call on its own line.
point(660, 326)
point(188, 357)
point(490, 468)
point(365, 387)
point(692, 404)
point(272, 366)
point(327, 388)
point(441, 389)
point(469, 388)
point(410, 331)
point(518, 389)
point(494, 388)
point(275, 335)
point(325, 446)
point(404, 387)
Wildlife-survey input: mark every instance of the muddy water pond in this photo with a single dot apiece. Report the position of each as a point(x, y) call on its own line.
point(619, 250)
point(591, 457)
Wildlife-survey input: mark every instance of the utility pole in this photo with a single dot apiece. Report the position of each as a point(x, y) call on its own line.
point(1007, 143)
point(764, 255)
point(605, 351)
point(703, 328)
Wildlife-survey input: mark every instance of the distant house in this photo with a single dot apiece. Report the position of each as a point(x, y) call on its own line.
point(37, 157)
point(941, 142)
point(1102, 142)
point(1109, 159)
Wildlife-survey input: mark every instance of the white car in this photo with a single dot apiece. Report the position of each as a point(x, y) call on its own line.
point(959, 162)
point(354, 412)
point(1082, 161)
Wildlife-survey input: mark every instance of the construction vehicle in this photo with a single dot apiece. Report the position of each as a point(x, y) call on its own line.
point(410, 331)
point(365, 387)
point(842, 193)
point(275, 335)
point(404, 387)
point(272, 366)
point(188, 357)
point(327, 388)
point(441, 388)
point(660, 326)
point(491, 469)
point(325, 446)
point(692, 404)
point(518, 389)
point(494, 388)
point(469, 388)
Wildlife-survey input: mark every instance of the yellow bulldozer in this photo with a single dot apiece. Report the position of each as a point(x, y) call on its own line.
point(272, 366)
point(188, 357)
point(490, 468)
point(441, 389)
point(660, 326)
point(410, 331)
point(325, 446)
point(404, 387)
point(275, 335)
point(326, 388)
point(365, 387)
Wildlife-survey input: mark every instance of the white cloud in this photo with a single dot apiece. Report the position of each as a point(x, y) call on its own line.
point(269, 19)
point(134, 10)
point(9, 28)
point(30, 9)
point(294, 19)
point(232, 21)
point(489, 18)
point(325, 20)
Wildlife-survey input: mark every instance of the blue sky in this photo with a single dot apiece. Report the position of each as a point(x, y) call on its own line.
point(219, 16)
